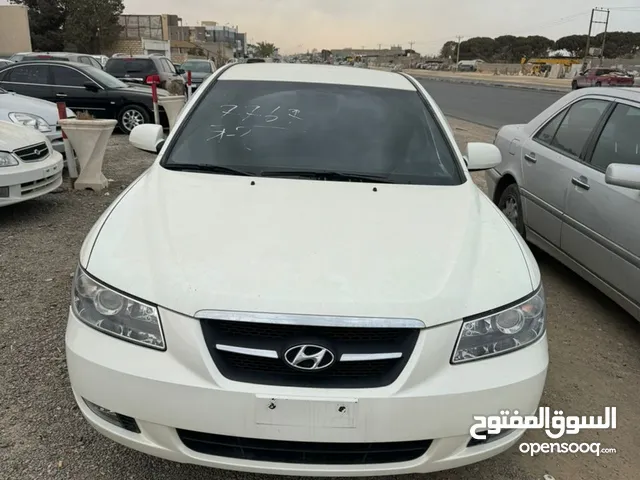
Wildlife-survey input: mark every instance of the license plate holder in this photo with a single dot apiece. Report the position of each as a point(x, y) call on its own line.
point(305, 412)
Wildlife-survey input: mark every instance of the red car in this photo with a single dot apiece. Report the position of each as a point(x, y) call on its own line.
point(602, 77)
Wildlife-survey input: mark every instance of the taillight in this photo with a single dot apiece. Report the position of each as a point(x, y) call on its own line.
point(152, 79)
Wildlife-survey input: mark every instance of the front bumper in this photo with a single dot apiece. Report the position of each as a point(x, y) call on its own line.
point(30, 180)
point(181, 388)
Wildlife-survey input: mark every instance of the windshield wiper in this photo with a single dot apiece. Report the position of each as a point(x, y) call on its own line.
point(205, 167)
point(327, 175)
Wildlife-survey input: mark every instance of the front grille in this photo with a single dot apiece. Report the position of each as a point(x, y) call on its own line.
point(30, 188)
point(303, 452)
point(33, 153)
point(228, 342)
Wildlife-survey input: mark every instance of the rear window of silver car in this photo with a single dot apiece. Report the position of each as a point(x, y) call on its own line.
point(261, 126)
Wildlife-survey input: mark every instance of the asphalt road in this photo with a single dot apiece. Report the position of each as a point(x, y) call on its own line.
point(489, 105)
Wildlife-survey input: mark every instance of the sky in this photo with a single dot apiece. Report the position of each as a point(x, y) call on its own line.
point(301, 25)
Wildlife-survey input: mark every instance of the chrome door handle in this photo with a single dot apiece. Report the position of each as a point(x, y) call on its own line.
point(580, 182)
point(61, 95)
point(531, 158)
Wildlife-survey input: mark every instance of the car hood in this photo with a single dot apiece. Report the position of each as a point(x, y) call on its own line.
point(14, 136)
point(193, 241)
point(12, 102)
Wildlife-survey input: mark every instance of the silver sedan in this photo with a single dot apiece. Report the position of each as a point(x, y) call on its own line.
point(569, 182)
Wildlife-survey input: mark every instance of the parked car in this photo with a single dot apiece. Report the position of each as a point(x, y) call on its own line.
point(200, 71)
point(310, 272)
point(144, 69)
point(16, 57)
point(35, 113)
point(570, 184)
point(83, 88)
point(62, 57)
point(602, 77)
point(102, 59)
point(29, 166)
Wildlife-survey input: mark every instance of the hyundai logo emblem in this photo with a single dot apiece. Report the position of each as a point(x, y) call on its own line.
point(309, 357)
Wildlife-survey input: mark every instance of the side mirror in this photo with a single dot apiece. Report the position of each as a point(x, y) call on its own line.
point(623, 175)
point(482, 156)
point(148, 137)
point(92, 87)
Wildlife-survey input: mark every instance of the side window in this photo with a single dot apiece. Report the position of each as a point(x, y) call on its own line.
point(84, 60)
point(546, 134)
point(619, 141)
point(168, 66)
point(576, 127)
point(36, 74)
point(68, 77)
point(94, 63)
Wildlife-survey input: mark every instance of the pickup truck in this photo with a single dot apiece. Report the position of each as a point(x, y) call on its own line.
point(602, 77)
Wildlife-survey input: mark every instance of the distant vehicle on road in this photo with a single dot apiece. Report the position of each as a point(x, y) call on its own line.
point(144, 70)
point(570, 184)
point(307, 229)
point(32, 112)
point(62, 57)
point(29, 167)
point(200, 71)
point(602, 77)
point(83, 87)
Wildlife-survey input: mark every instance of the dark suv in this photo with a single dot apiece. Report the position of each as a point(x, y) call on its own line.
point(143, 69)
point(61, 57)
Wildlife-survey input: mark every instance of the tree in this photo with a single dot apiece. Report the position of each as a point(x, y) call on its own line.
point(265, 50)
point(92, 25)
point(574, 44)
point(449, 49)
point(46, 19)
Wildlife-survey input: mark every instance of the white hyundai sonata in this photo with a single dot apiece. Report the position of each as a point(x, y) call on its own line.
point(307, 282)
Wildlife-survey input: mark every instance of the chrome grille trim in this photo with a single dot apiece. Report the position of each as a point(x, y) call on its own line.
point(309, 320)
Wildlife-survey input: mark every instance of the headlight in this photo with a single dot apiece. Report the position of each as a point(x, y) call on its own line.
point(30, 120)
point(8, 160)
point(504, 331)
point(114, 313)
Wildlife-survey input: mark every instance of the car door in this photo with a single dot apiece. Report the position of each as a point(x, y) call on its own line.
point(70, 88)
point(29, 80)
point(601, 229)
point(549, 159)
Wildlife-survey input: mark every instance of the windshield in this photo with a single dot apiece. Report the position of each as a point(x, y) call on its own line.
point(199, 67)
point(262, 126)
point(103, 77)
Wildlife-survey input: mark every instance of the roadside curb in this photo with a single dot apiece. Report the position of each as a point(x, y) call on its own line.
point(541, 88)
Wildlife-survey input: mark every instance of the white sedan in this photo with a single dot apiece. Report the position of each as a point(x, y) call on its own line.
point(307, 282)
point(29, 166)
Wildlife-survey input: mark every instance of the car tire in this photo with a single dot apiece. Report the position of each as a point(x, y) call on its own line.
point(574, 85)
point(598, 84)
point(131, 116)
point(510, 204)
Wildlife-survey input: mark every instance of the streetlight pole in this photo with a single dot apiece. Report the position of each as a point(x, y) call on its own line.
point(458, 52)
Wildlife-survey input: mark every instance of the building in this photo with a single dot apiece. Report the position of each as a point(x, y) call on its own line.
point(144, 35)
point(15, 35)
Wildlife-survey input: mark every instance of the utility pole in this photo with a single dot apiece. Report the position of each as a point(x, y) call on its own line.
point(458, 52)
point(591, 22)
point(379, 46)
point(411, 45)
point(604, 37)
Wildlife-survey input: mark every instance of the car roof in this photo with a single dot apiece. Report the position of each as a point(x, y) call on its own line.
point(81, 66)
point(625, 93)
point(310, 73)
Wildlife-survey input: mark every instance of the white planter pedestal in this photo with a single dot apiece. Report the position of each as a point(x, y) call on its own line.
point(172, 104)
point(89, 139)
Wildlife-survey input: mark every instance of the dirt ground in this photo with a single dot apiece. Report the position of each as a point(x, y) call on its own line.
point(593, 350)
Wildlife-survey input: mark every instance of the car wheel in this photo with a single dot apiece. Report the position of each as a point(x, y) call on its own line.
point(131, 116)
point(598, 84)
point(574, 85)
point(510, 204)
